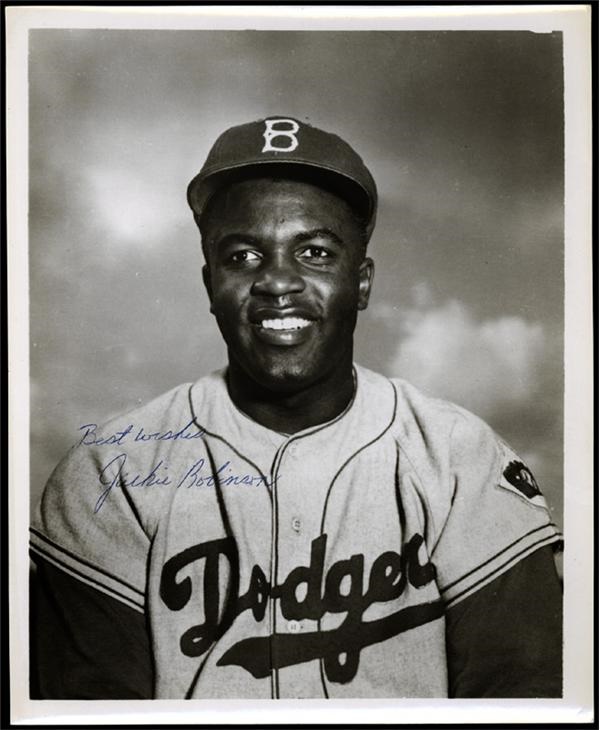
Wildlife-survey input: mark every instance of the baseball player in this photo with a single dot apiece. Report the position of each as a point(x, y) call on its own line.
point(294, 525)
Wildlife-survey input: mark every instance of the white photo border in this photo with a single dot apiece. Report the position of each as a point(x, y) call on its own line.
point(575, 22)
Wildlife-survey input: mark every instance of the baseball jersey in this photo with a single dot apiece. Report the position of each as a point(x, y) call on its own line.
point(318, 564)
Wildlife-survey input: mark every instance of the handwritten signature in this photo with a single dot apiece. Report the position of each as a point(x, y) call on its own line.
point(90, 436)
point(113, 475)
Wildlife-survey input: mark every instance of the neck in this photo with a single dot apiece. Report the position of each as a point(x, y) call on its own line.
point(290, 412)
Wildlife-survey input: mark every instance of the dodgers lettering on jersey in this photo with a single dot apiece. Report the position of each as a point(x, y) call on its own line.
point(388, 578)
point(313, 565)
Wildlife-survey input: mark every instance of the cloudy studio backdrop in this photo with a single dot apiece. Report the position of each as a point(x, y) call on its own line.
point(463, 132)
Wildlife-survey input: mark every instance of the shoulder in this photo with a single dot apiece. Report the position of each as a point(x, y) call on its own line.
point(163, 415)
point(420, 417)
point(443, 445)
point(154, 412)
point(132, 441)
point(109, 486)
point(463, 449)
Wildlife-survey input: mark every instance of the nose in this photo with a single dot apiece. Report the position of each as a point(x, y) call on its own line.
point(276, 278)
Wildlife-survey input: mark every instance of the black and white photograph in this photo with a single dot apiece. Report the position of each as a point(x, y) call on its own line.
point(302, 306)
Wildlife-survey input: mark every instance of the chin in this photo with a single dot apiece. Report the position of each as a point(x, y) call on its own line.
point(289, 370)
point(284, 377)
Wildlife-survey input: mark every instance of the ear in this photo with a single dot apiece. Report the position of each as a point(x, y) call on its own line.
point(207, 284)
point(366, 273)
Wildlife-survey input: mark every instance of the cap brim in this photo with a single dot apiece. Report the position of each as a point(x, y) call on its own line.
point(207, 183)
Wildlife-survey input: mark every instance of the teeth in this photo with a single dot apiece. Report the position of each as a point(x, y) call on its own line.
point(285, 323)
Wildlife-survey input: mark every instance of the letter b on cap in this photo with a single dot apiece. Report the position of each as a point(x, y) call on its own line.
point(286, 128)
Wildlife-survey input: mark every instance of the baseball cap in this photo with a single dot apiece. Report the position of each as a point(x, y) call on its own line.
point(286, 145)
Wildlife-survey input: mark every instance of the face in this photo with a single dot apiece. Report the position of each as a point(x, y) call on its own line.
point(286, 276)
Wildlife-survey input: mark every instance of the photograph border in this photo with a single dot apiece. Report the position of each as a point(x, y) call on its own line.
point(577, 705)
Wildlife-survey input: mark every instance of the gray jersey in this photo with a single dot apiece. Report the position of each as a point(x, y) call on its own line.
point(314, 565)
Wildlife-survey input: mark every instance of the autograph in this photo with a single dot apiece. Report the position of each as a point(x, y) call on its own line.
point(114, 475)
point(90, 436)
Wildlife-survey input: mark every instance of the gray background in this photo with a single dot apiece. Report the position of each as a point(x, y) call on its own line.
point(463, 132)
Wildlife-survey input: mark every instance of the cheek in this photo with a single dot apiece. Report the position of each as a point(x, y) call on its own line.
point(228, 292)
point(226, 306)
point(342, 297)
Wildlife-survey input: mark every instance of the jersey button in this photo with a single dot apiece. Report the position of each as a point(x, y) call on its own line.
point(294, 627)
point(296, 524)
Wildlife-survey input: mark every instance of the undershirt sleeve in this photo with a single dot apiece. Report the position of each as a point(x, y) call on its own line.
point(84, 644)
point(505, 640)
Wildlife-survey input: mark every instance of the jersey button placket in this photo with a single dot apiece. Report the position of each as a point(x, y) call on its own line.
point(293, 551)
point(273, 601)
point(279, 620)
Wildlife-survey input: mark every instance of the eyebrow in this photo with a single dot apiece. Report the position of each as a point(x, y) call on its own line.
point(301, 237)
point(236, 238)
point(318, 233)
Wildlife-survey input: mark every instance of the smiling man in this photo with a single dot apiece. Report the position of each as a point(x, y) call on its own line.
point(294, 526)
point(286, 275)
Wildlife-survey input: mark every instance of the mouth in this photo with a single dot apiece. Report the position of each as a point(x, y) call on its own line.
point(281, 329)
point(285, 324)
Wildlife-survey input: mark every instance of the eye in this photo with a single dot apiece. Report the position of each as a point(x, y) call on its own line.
point(244, 256)
point(315, 253)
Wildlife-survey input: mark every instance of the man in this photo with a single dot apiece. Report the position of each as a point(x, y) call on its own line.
point(295, 525)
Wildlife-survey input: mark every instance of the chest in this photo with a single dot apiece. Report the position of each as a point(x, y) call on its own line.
point(284, 572)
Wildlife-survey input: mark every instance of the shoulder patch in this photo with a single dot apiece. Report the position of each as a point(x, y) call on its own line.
point(518, 478)
point(521, 478)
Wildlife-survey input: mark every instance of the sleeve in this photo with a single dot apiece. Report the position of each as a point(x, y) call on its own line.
point(92, 548)
point(496, 515)
point(84, 644)
point(505, 640)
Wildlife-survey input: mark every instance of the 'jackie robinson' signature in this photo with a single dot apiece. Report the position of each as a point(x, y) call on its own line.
point(113, 475)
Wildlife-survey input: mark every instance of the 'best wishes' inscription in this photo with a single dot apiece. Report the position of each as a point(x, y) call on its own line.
point(116, 474)
point(133, 433)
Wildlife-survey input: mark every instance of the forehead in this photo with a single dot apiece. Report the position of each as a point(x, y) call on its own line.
point(258, 202)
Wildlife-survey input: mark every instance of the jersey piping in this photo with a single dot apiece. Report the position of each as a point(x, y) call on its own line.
point(491, 568)
point(36, 551)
